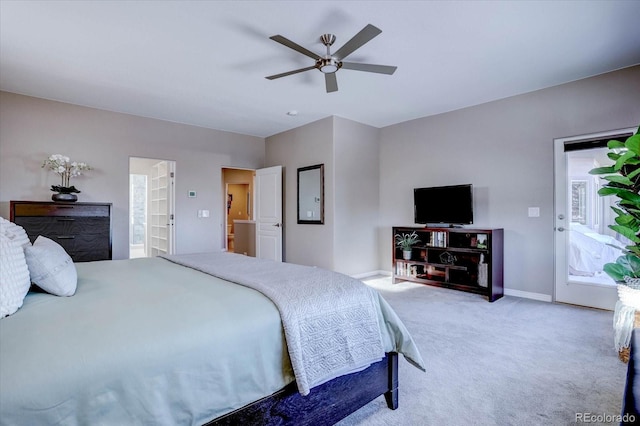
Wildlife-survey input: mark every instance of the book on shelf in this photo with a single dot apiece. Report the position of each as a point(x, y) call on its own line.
point(438, 239)
point(483, 274)
point(406, 269)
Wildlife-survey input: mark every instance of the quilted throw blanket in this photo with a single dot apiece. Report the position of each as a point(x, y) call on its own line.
point(329, 319)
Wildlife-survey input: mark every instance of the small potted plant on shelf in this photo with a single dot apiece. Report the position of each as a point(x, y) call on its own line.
point(406, 242)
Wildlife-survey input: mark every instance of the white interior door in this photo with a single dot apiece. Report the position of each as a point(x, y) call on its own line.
point(269, 213)
point(582, 236)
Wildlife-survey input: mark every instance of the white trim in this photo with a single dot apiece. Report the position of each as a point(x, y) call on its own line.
point(528, 295)
point(371, 274)
point(507, 292)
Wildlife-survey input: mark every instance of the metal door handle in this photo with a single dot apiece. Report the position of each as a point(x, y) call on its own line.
point(277, 225)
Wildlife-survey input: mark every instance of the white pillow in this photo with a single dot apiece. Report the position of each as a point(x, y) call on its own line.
point(51, 267)
point(16, 232)
point(14, 275)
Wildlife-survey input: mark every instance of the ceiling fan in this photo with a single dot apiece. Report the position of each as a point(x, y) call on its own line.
point(329, 64)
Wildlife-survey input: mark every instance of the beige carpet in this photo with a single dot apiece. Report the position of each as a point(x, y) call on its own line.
point(512, 362)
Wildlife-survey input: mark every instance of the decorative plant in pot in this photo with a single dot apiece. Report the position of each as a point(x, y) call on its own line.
point(623, 181)
point(63, 166)
point(406, 242)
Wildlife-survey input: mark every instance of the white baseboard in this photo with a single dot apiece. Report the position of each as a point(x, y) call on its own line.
point(528, 295)
point(507, 292)
point(371, 274)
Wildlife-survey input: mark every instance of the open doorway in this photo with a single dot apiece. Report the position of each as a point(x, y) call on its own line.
point(239, 194)
point(151, 207)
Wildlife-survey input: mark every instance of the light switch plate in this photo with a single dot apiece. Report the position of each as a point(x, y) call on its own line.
point(534, 211)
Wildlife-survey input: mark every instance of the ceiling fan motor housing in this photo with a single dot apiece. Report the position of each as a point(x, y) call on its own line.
point(328, 64)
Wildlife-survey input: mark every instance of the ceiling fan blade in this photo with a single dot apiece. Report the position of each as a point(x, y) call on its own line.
point(331, 82)
point(285, 41)
point(364, 36)
point(284, 74)
point(380, 69)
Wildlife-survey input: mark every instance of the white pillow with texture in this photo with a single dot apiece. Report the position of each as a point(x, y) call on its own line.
point(14, 275)
point(51, 268)
point(16, 232)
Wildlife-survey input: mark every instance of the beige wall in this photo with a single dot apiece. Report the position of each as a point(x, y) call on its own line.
point(238, 209)
point(31, 129)
point(305, 146)
point(505, 149)
point(356, 157)
point(347, 241)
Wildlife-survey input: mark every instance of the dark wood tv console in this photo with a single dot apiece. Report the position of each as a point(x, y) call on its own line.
point(464, 259)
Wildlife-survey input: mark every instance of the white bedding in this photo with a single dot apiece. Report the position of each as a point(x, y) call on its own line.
point(147, 341)
point(330, 320)
point(589, 251)
point(143, 341)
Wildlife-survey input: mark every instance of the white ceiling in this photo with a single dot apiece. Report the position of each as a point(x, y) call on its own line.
point(204, 62)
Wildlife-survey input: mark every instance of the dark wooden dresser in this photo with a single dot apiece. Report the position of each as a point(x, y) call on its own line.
point(83, 229)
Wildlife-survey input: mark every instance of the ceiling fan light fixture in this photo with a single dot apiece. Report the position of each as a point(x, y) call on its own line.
point(328, 65)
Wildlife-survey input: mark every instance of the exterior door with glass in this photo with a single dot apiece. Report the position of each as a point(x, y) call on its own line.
point(583, 240)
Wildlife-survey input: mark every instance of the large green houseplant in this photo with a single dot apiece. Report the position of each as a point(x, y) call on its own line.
point(623, 180)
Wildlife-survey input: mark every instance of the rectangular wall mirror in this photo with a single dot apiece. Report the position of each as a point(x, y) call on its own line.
point(311, 195)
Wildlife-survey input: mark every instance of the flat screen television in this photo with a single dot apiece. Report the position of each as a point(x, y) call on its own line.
point(451, 205)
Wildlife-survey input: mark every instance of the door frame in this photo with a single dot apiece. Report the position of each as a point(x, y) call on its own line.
point(225, 194)
point(171, 208)
point(255, 209)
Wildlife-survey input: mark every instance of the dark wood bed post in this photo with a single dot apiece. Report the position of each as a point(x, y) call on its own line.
point(327, 403)
point(391, 396)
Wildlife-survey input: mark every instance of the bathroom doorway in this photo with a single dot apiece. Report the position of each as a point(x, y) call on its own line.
point(239, 196)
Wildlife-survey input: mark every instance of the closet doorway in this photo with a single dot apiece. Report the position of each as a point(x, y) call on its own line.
point(151, 207)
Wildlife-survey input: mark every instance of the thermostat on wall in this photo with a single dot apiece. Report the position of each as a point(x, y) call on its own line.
point(192, 194)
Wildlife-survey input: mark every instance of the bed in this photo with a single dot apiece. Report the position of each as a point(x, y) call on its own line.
point(589, 251)
point(631, 396)
point(178, 341)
